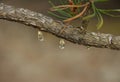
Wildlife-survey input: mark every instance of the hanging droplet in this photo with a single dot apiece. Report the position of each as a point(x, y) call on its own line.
point(88, 47)
point(40, 36)
point(61, 44)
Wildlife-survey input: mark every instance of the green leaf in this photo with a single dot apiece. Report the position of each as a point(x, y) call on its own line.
point(60, 11)
point(57, 15)
point(63, 13)
point(76, 1)
point(108, 12)
point(91, 15)
point(88, 16)
point(100, 20)
point(100, 0)
point(62, 2)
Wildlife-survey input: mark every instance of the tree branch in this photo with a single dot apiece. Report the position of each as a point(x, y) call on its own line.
point(47, 24)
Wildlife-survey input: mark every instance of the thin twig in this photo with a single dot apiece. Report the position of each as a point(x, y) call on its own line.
point(68, 6)
point(77, 16)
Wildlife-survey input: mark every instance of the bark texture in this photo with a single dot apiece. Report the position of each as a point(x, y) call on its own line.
point(47, 24)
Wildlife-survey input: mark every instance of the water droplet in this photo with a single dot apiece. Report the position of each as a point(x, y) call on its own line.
point(40, 36)
point(88, 47)
point(61, 44)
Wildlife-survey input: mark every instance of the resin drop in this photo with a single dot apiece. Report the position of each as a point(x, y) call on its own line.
point(40, 36)
point(61, 44)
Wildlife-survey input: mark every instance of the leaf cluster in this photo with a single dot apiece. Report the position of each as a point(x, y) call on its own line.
point(65, 13)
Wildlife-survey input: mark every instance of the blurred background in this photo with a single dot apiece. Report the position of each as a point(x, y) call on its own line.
point(25, 59)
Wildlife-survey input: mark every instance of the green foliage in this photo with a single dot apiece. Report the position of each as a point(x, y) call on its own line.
point(62, 13)
point(100, 0)
point(65, 13)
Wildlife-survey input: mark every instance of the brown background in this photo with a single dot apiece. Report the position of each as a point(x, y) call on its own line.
point(24, 59)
